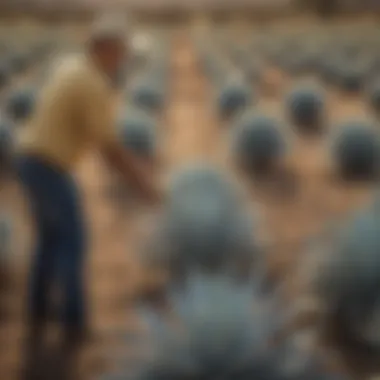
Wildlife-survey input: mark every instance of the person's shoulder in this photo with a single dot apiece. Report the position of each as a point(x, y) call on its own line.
point(70, 68)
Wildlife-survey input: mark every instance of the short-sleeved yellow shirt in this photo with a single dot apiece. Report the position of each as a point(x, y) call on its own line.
point(75, 112)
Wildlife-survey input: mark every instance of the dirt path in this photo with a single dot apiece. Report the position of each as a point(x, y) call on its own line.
point(192, 132)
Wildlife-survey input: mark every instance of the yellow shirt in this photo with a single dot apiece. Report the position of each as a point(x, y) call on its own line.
point(75, 112)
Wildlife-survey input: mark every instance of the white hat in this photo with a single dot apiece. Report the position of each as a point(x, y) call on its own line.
point(109, 26)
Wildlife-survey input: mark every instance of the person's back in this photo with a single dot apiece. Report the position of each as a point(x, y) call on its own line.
point(59, 130)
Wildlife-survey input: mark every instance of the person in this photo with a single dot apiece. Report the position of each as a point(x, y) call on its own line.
point(75, 112)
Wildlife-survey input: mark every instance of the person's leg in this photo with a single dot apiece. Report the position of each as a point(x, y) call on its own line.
point(42, 185)
point(41, 278)
point(71, 252)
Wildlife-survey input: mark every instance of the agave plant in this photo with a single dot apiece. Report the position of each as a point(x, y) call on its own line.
point(4, 74)
point(5, 235)
point(347, 281)
point(18, 61)
point(138, 132)
point(204, 225)
point(5, 246)
point(20, 104)
point(305, 105)
point(373, 95)
point(330, 68)
point(233, 97)
point(356, 150)
point(149, 93)
point(220, 329)
point(258, 142)
point(352, 77)
point(6, 147)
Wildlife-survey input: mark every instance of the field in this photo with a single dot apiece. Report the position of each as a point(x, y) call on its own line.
point(189, 127)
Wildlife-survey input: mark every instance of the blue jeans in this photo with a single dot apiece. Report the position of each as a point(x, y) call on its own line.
point(59, 254)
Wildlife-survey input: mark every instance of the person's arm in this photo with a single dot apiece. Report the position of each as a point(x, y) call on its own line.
point(101, 122)
point(132, 169)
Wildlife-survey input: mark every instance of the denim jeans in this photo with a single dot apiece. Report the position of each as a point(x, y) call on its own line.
point(59, 254)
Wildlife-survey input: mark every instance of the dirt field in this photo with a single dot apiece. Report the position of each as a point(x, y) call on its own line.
point(189, 129)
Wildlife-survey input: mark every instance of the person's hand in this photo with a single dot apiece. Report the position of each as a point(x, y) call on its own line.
point(156, 191)
point(140, 174)
point(155, 195)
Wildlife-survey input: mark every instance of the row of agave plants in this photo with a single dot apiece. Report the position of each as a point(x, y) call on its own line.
point(345, 59)
point(228, 317)
point(260, 141)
